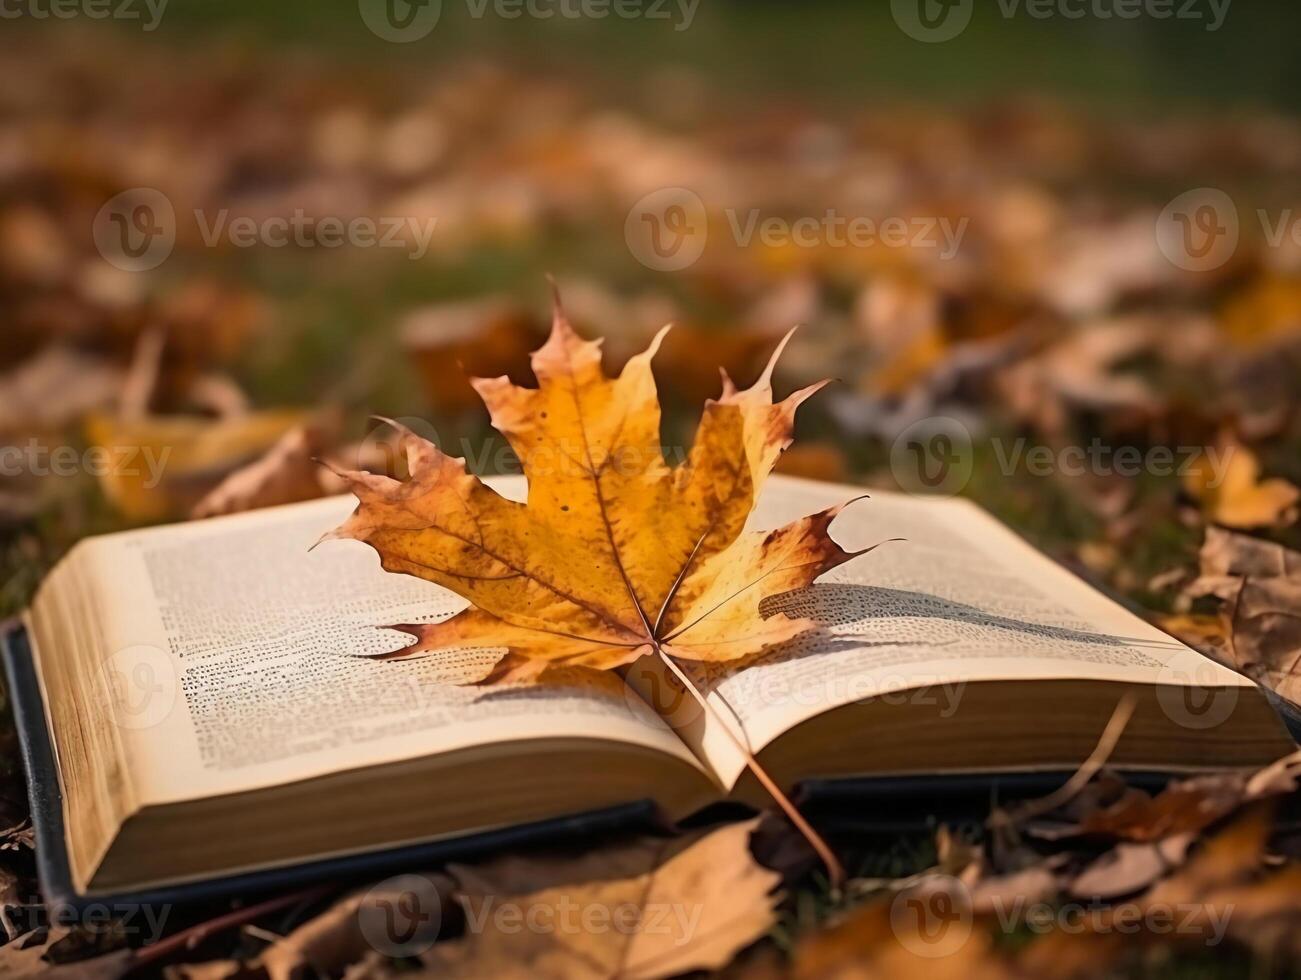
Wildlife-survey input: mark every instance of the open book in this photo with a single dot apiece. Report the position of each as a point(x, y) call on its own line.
point(213, 710)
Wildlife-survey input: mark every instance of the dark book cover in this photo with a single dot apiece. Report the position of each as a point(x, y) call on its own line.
point(869, 805)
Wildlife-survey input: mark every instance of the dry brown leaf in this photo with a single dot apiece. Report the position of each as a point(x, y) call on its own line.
point(1226, 886)
point(161, 466)
point(877, 941)
point(616, 554)
point(652, 908)
point(485, 336)
point(1241, 499)
point(1128, 868)
point(1204, 633)
point(1265, 314)
point(287, 473)
point(1081, 372)
point(694, 353)
point(38, 956)
point(1259, 583)
point(1186, 806)
point(55, 389)
point(324, 945)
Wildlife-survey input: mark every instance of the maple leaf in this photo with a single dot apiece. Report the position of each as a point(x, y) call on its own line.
point(615, 554)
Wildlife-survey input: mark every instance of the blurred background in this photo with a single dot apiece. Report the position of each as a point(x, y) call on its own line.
point(1047, 249)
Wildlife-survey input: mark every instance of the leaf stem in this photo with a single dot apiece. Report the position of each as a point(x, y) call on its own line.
point(835, 871)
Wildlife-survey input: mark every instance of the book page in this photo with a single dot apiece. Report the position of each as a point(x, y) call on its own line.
point(962, 599)
point(238, 655)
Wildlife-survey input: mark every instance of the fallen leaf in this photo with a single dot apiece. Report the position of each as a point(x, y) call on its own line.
point(1184, 806)
point(1129, 868)
point(616, 554)
point(328, 943)
point(1227, 889)
point(55, 389)
point(1264, 315)
point(1237, 497)
point(160, 466)
point(1083, 372)
point(901, 938)
point(38, 955)
point(1206, 634)
point(1259, 583)
point(482, 336)
point(652, 908)
point(694, 353)
point(287, 473)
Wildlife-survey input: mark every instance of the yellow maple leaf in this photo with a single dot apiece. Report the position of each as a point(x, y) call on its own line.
point(616, 554)
point(1236, 496)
